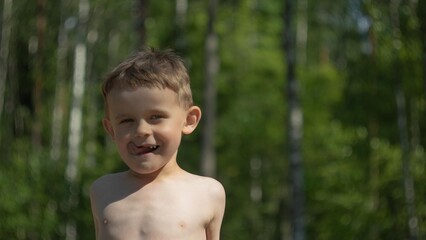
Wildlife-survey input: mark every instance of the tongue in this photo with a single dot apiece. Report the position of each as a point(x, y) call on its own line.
point(143, 150)
point(139, 150)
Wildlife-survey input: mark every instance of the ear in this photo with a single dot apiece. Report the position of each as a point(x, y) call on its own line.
point(193, 116)
point(108, 127)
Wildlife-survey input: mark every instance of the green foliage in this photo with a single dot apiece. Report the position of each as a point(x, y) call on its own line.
point(355, 54)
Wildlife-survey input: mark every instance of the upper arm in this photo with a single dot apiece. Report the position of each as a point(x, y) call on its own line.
point(218, 200)
point(94, 207)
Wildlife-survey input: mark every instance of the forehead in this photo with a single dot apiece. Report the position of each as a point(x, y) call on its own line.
point(141, 97)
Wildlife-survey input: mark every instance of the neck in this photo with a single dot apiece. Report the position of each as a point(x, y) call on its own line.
point(171, 168)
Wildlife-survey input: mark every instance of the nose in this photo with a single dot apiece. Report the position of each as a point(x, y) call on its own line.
point(143, 129)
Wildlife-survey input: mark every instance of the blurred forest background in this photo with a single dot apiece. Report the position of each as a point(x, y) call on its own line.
point(314, 111)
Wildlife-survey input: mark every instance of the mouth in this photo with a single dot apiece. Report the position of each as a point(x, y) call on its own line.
point(143, 149)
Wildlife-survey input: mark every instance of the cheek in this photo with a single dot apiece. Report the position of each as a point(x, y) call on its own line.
point(122, 133)
point(170, 131)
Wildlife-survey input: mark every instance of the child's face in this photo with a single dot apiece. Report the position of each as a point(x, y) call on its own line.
point(147, 124)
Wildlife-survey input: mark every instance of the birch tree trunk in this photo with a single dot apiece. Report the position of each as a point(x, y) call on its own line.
point(92, 93)
point(75, 127)
point(4, 49)
point(421, 8)
point(403, 128)
point(256, 192)
point(7, 71)
point(140, 22)
point(295, 123)
point(39, 66)
point(181, 12)
point(208, 152)
point(302, 32)
point(405, 157)
point(59, 102)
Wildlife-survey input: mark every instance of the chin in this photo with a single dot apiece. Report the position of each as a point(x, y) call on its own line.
point(145, 171)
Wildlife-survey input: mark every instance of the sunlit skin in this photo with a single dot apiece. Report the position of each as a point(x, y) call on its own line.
point(155, 199)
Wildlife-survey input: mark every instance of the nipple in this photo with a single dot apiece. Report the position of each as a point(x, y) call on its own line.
point(105, 221)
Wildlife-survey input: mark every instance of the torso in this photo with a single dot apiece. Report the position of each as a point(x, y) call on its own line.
point(166, 209)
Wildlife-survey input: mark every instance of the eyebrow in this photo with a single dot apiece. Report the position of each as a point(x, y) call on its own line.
point(151, 111)
point(120, 116)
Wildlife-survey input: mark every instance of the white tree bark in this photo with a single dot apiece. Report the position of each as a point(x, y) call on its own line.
point(181, 12)
point(76, 115)
point(75, 128)
point(4, 49)
point(406, 165)
point(140, 21)
point(295, 125)
point(208, 151)
point(59, 102)
point(408, 184)
point(302, 31)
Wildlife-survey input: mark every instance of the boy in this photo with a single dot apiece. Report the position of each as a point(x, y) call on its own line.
point(148, 107)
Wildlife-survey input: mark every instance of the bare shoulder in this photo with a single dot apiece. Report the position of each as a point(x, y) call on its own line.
point(214, 187)
point(103, 180)
point(208, 186)
point(106, 182)
point(212, 193)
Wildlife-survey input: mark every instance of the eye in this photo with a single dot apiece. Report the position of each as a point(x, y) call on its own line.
point(125, 120)
point(156, 117)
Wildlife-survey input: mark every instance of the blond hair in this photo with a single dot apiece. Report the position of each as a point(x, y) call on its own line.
point(152, 69)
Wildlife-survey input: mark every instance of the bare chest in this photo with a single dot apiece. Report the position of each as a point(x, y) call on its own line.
point(154, 216)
